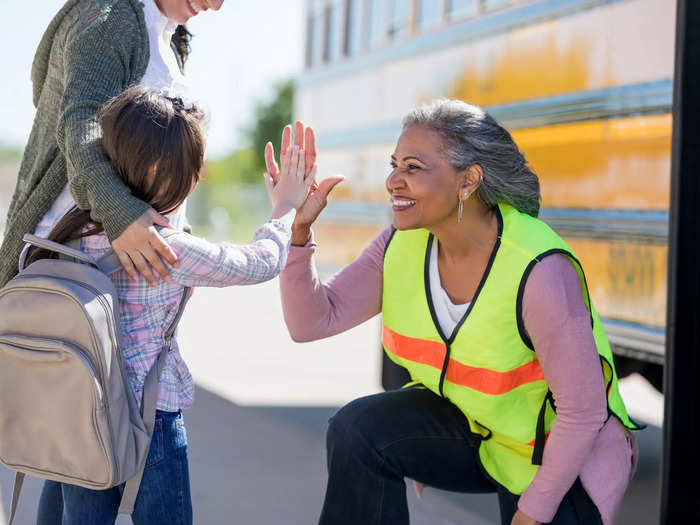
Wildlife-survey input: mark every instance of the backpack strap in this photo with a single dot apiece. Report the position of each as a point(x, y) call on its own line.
point(149, 402)
point(16, 489)
point(61, 249)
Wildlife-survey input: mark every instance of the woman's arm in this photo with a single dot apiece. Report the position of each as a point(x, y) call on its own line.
point(558, 323)
point(314, 310)
point(97, 58)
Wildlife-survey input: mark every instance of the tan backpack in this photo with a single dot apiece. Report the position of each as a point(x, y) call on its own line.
point(67, 412)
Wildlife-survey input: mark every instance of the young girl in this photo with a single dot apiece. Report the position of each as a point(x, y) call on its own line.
point(90, 52)
point(156, 144)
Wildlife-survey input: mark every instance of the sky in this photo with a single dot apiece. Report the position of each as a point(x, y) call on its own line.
point(238, 54)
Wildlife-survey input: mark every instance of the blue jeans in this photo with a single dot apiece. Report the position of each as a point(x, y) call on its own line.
point(374, 442)
point(164, 494)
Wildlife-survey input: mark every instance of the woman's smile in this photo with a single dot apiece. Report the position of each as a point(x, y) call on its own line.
point(400, 203)
point(193, 7)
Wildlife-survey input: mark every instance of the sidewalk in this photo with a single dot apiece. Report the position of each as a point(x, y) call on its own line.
point(256, 431)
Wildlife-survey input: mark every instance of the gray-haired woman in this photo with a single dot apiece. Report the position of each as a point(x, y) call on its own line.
point(513, 381)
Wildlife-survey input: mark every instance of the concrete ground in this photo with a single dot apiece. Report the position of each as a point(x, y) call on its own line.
point(256, 431)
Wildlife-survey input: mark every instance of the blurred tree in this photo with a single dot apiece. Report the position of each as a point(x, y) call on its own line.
point(234, 184)
point(269, 119)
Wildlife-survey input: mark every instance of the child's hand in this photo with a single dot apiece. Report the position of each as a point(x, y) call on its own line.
point(291, 189)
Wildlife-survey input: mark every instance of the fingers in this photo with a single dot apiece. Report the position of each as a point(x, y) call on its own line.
point(294, 165)
point(163, 249)
point(157, 218)
point(299, 134)
point(127, 265)
point(269, 183)
point(272, 168)
point(310, 148)
point(328, 184)
point(286, 162)
point(301, 166)
point(418, 487)
point(157, 263)
point(142, 267)
point(286, 142)
point(311, 178)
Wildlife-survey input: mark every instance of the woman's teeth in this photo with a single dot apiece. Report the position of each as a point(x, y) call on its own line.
point(194, 6)
point(402, 203)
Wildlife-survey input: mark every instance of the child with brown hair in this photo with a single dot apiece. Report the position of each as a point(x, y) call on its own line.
point(157, 145)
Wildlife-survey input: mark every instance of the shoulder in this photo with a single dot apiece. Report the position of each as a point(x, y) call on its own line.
point(119, 23)
point(528, 237)
point(553, 271)
point(377, 248)
point(553, 292)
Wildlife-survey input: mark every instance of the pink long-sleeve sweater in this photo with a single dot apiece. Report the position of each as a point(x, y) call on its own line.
point(583, 442)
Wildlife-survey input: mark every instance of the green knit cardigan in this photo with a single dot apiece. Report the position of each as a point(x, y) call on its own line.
point(91, 51)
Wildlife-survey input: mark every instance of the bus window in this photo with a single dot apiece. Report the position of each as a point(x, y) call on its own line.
point(329, 33)
point(376, 33)
point(490, 5)
point(400, 18)
point(429, 13)
point(310, 40)
point(353, 26)
point(463, 8)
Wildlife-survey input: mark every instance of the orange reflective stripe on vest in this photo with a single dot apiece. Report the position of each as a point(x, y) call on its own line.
point(432, 353)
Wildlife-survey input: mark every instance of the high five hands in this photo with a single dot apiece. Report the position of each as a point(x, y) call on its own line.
point(305, 141)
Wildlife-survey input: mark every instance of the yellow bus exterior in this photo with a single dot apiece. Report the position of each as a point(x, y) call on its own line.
point(584, 86)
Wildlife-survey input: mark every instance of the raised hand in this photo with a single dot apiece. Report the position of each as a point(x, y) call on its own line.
point(304, 138)
point(318, 194)
point(292, 185)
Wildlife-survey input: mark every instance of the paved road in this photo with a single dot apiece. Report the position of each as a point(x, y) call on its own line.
point(256, 432)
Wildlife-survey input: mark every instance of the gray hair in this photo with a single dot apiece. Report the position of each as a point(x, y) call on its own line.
point(472, 136)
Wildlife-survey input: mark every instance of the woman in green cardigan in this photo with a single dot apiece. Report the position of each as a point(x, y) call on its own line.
point(91, 51)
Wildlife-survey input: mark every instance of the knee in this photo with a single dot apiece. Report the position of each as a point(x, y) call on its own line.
point(348, 427)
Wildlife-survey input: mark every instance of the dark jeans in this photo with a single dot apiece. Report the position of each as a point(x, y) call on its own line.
point(374, 442)
point(164, 494)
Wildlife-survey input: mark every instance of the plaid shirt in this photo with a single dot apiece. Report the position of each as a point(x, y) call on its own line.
point(147, 312)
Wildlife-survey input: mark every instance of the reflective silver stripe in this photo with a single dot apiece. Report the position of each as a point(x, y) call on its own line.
point(452, 34)
point(647, 227)
point(636, 99)
point(646, 98)
point(636, 340)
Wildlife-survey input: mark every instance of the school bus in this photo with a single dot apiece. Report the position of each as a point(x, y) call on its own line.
point(584, 86)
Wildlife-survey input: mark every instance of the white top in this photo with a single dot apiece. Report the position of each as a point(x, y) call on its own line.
point(162, 74)
point(448, 313)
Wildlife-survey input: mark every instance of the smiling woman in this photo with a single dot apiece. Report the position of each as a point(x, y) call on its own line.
point(489, 311)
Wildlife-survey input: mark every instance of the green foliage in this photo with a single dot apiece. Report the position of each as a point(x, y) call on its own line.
point(240, 167)
point(270, 117)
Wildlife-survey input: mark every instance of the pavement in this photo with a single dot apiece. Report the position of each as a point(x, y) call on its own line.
point(257, 430)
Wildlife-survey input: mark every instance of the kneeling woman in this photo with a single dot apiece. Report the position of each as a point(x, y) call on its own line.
point(514, 389)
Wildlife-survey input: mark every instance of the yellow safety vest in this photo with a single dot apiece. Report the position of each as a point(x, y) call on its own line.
point(488, 367)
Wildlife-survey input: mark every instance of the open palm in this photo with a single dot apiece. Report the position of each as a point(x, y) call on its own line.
point(317, 199)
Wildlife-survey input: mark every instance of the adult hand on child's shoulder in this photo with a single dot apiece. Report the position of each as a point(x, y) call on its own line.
point(140, 248)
